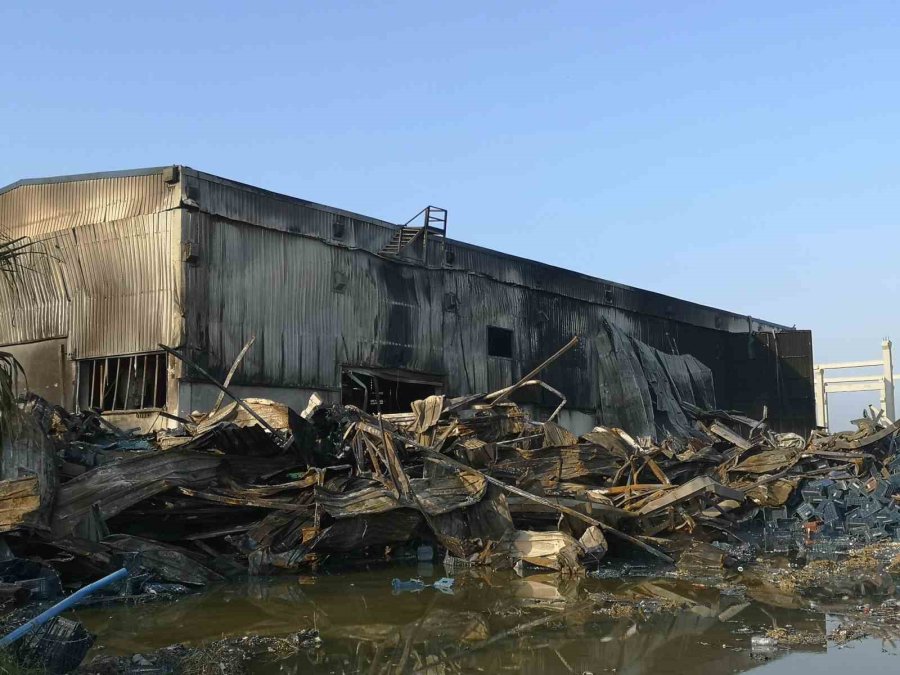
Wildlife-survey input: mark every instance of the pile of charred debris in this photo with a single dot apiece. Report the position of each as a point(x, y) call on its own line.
point(253, 486)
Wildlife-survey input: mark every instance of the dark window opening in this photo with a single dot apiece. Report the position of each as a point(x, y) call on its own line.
point(500, 342)
point(370, 391)
point(119, 383)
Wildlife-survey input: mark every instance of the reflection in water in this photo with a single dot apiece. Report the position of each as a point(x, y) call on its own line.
point(492, 621)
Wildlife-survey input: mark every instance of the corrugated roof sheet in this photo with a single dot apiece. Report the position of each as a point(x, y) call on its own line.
point(37, 208)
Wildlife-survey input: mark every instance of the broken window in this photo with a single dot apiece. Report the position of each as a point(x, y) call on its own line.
point(387, 391)
point(500, 342)
point(118, 383)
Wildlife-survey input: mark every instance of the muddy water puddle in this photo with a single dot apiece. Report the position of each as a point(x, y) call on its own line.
point(498, 622)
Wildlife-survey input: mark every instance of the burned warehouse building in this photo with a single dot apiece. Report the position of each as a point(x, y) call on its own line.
point(355, 309)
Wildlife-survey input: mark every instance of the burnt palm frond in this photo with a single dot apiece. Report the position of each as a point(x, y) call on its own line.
point(13, 253)
point(11, 373)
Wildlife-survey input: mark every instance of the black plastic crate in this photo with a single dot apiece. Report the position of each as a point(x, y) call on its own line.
point(774, 515)
point(59, 646)
point(805, 511)
point(883, 490)
point(828, 512)
point(41, 580)
point(876, 534)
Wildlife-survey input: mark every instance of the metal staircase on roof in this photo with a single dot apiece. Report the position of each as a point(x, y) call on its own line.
point(434, 224)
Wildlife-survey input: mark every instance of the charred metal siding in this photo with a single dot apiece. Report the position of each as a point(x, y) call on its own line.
point(309, 283)
point(773, 370)
point(243, 203)
point(181, 257)
point(542, 322)
point(539, 277)
point(275, 267)
point(312, 306)
point(40, 207)
point(106, 275)
point(124, 286)
point(35, 305)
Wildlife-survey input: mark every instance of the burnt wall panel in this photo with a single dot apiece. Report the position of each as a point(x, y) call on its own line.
point(313, 307)
point(35, 301)
point(103, 273)
point(244, 203)
point(543, 322)
point(773, 370)
point(111, 288)
point(41, 208)
point(310, 283)
point(123, 279)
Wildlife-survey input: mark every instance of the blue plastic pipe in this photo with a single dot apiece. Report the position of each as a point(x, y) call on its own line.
point(62, 606)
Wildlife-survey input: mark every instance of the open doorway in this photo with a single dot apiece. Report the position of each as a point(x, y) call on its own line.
point(391, 391)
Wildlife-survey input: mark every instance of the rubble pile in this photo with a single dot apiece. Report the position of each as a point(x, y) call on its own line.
point(255, 486)
point(857, 499)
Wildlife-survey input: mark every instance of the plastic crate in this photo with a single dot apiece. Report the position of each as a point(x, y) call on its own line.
point(41, 580)
point(779, 541)
point(805, 511)
point(59, 646)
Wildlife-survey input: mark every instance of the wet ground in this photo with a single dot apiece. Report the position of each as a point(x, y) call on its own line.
point(498, 622)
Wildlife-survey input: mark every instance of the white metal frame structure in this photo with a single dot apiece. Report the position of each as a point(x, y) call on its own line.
point(883, 382)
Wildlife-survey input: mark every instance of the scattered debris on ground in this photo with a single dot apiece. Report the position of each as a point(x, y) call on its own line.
point(223, 657)
point(255, 486)
point(880, 621)
point(789, 637)
point(862, 572)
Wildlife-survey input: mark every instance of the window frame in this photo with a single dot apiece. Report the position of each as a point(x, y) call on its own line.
point(146, 372)
point(512, 342)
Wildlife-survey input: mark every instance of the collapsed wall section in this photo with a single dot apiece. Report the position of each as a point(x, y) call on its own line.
point(642, 389)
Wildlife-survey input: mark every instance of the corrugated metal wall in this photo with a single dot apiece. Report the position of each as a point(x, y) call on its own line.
point(773, 370)
point(106, 271)
point(317, 300)
point(42, 208)
point(311, 306)
point(34, 304)
point(307, 281)
point(315, 306)
point(542, 322)
point(124, 285)
point(247, 204)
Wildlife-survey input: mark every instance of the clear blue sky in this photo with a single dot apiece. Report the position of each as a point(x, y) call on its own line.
point(743, 155)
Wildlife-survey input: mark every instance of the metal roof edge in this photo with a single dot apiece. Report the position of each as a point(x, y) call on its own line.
point(283, 197)
point(71, 178)
point(593, 279)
